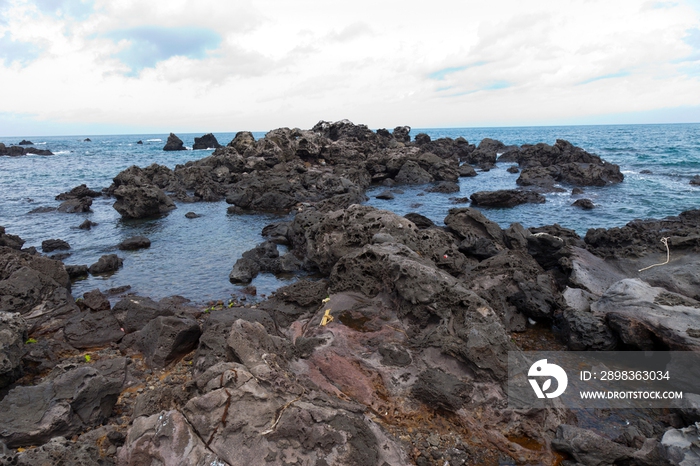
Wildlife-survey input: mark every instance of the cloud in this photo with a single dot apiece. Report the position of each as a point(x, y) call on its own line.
point(13, 51)
point(440, 75)
point(76, 9)
point(148, 45)
point(351, 32)
point(619, 74)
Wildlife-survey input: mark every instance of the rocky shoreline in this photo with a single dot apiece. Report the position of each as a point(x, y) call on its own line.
point(394, 353)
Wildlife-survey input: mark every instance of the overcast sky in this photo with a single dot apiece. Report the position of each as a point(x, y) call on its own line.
point(132, 66)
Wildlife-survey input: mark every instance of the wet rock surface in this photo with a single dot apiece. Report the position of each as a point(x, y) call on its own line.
point(106, 264)
point(134, 243)
point(506, 198)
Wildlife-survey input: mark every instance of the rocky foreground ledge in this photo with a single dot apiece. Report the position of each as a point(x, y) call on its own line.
point(397, 357)
point(396, 354)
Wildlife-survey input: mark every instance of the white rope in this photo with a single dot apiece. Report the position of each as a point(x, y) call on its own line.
point(668, 256)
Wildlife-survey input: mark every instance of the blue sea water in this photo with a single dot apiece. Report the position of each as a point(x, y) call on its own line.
point(193, 257)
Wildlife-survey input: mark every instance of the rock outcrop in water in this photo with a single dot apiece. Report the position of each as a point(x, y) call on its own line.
point(332, 164)
point(15, 151)
point(174, 143)
point(208, 141)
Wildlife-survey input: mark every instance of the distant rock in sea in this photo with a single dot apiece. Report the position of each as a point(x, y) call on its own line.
point(25, 142)
point(208, 141)
point(174, 143)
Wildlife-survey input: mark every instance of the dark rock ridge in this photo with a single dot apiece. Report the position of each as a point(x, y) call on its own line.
point(71, 206)
point(174, 143)
point(585, 204)
point(14, 151)
point(10, 241)
point(332, 164)
point(24, 142)
point(54, 244)
point(640, 237)
point(107, 264)
point(544, 165)
point(134, 243)
point(138, 193)
point(77, 193)
point(208, 141)
point(506, 198)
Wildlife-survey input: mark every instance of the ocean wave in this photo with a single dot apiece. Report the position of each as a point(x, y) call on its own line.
point(40, 144)
point(154, 140)
point(61, 152)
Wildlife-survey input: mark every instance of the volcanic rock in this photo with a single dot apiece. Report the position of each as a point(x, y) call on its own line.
point(106, 264)
point(12, 338)
point(76, 271)
point(37, 287)
point(385, 195)
point(174, 143)
point(87, 225)
point(50, 245)
point(506, 198)
point(77, 193)
point(134, 243)
point(164, 339)
point(10, 241)
point(74, 399)
point(585, 204)
point(640, 237)
point(444, 187)
point(466, 170)
point(208, 141)
point(71, 206)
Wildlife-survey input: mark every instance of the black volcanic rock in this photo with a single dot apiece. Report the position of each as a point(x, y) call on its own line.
point(106, 264)
point(71, 206)
point(586, 204)
point(77, 193)
point(402, 133)
point(134, 243)
point(50, 245)
point(208, 141)
point(15, 151)
point(506, 198)
point(24, 142)
point(174, 143)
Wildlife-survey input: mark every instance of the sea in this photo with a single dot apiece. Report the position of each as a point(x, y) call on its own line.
point(193, 257)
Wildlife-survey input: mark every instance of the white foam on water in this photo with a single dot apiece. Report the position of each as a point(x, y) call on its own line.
point(61, 152)
point(154, 140)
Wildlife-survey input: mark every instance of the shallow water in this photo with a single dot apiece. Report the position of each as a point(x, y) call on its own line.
point(193, 257)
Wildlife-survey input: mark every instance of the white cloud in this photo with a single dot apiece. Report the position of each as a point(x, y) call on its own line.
point(380, 63)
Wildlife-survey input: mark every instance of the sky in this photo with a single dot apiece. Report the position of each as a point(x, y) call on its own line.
point(129, 66)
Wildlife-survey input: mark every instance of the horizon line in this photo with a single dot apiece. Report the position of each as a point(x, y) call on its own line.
point(433, 128)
